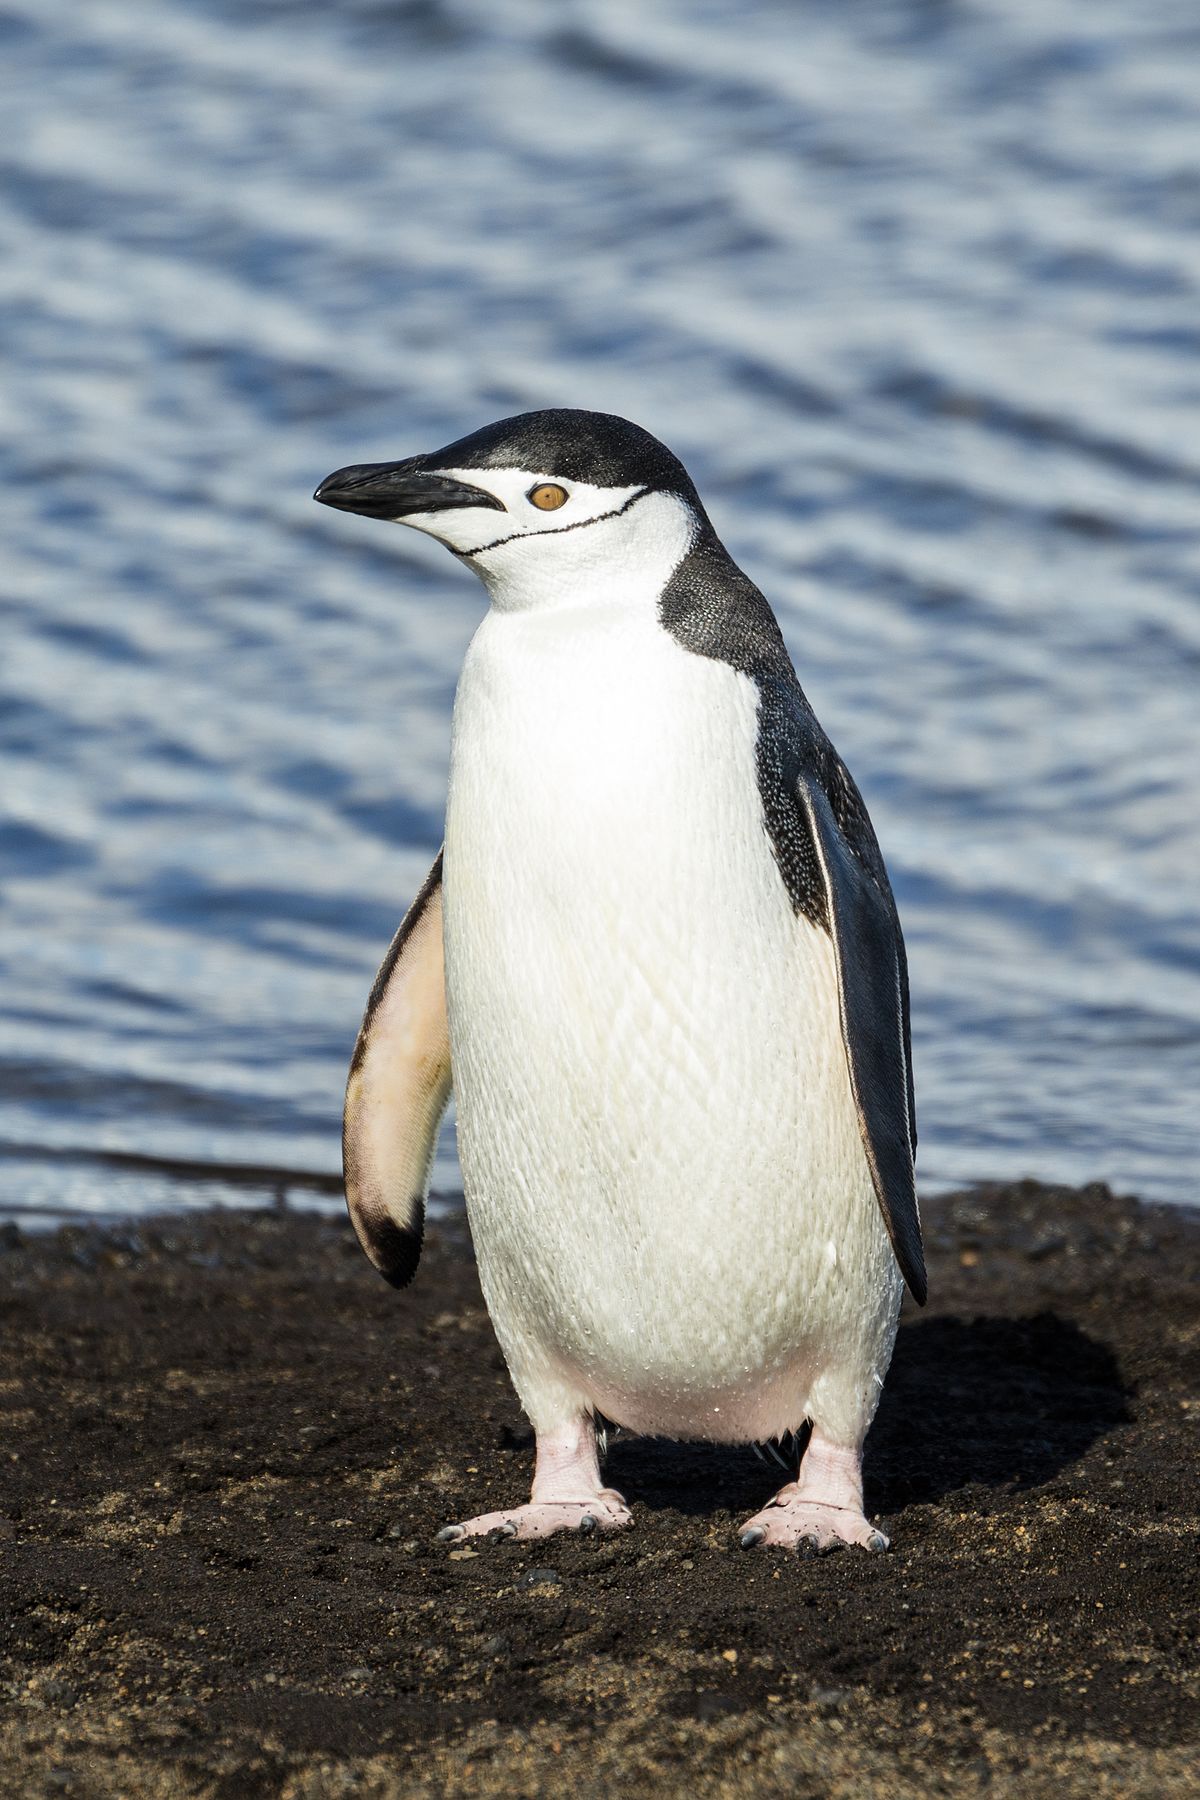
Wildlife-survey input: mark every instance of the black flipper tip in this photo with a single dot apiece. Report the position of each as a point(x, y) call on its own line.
point(912, 1267)
point(396, 1250)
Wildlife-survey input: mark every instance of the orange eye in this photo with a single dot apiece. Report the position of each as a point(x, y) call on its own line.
point(547, 496)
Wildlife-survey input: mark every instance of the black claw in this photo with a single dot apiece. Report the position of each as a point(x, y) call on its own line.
point(753, 1534)
point(449, 1533)
point(588, 1522)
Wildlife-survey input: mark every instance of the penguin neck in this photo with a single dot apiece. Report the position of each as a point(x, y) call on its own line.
point(711, 607)
point(626, 559)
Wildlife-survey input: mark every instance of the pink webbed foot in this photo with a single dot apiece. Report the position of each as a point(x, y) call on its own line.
point(567, 1495)
point(603, 1511)
point(821, 1511)
point(796, 1524)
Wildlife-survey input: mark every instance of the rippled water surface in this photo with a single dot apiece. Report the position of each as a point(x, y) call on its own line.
point(915, 291)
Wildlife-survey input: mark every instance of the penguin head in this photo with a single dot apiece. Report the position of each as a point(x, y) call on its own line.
point(543, 506)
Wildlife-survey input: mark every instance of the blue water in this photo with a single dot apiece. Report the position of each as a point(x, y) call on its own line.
point(914, 289)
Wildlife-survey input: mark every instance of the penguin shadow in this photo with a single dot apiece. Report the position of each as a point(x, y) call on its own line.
point(1005, 1403)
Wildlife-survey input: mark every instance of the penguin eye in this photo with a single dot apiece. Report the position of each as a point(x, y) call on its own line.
point(547, 496)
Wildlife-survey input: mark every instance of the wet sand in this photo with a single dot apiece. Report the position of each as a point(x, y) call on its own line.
point(227, 1447)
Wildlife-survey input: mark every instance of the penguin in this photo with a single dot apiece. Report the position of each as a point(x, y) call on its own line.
point(659, 957)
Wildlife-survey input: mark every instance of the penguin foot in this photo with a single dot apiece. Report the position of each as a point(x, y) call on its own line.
point(567, 1495)
point(791, 1522)
point(603, 1511)
point(821, 1511)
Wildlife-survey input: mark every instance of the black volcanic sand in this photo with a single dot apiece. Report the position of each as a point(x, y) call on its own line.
point(227, 1448)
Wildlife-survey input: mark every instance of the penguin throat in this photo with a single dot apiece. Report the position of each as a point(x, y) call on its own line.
point(626, 555)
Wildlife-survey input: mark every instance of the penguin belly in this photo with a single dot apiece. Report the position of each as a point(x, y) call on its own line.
point(662, 1161)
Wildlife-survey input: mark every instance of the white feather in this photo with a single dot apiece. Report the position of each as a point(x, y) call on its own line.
point(666, 1183)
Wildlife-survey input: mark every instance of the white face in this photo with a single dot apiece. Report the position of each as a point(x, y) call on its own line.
point(560, 540)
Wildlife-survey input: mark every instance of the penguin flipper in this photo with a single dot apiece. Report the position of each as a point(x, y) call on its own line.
point(873, 991)
point(398, 1090)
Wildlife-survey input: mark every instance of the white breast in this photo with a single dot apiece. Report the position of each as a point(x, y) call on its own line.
point(662, 1161)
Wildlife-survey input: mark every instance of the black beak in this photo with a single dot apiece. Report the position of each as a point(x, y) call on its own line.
point(393, 490)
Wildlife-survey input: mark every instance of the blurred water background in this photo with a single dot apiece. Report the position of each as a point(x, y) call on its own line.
point(913, 288)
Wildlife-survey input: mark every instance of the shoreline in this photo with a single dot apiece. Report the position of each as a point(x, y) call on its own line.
point(228, 1446)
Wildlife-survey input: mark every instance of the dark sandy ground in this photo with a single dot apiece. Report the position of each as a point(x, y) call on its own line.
point(227, 1447)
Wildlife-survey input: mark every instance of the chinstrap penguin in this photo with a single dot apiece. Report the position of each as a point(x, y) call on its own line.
point(660, 954)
